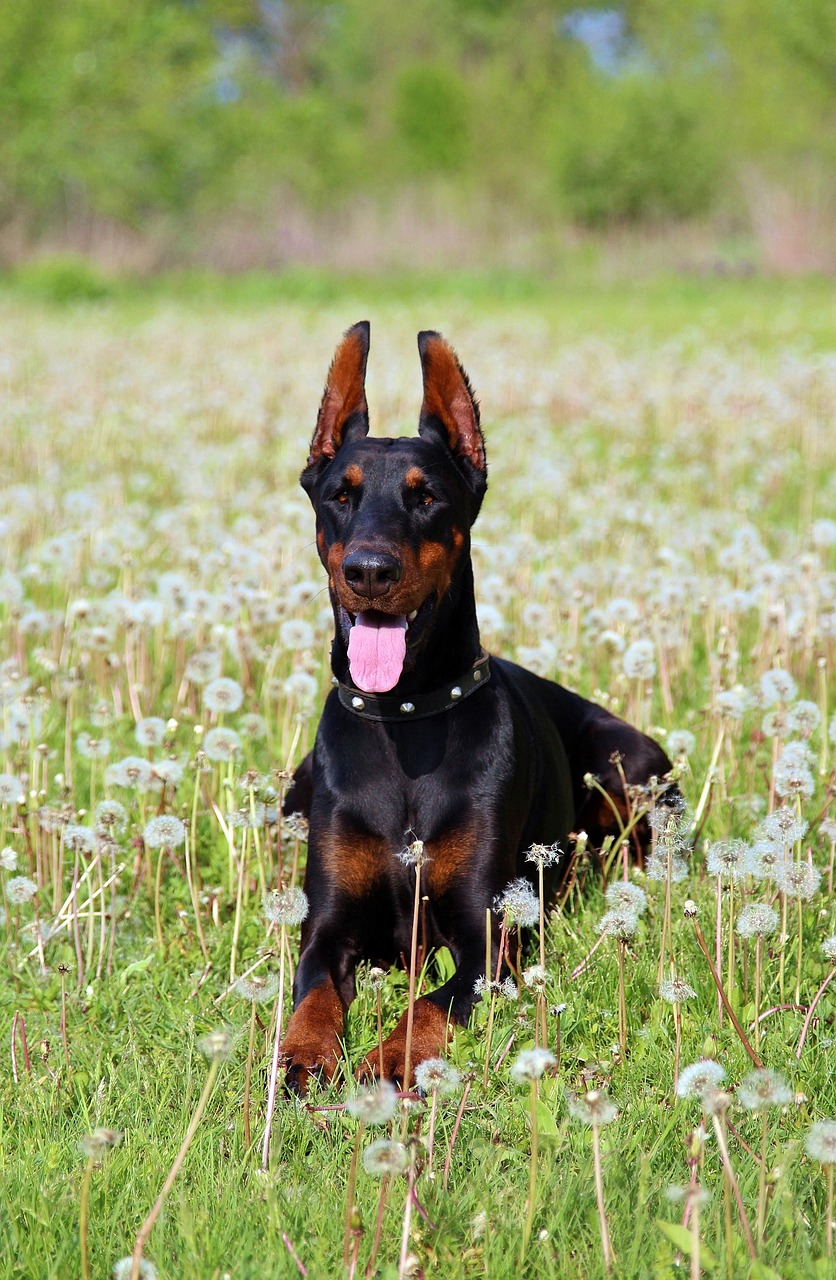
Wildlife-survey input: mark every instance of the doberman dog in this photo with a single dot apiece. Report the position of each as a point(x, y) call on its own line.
point(423, 736)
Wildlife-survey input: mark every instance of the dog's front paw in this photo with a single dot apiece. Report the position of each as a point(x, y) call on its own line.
point(311, 1047)
point(431, 1035)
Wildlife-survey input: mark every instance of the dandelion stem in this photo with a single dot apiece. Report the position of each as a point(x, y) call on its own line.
point(148, 1225)
point(599, 1195)
point(729, 1010)
point(809, 1018)
point(532, 1175)
point(413, 955)
point(407, 1209)
point(454, 1134)
point(761, 1218)
point(248, 1079)
point(385, 1184)
point(727, 1165)
point(349, 1200)
point(274, 1065)
point(83, 1217)
point(622, 998)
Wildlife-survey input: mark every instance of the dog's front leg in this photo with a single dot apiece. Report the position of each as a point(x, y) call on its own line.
point(436, 1014)
point(322, 991)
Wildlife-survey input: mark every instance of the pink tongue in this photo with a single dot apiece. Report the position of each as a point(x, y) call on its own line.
point(376, 651)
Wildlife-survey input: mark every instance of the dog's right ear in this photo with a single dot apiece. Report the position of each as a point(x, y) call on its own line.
point(343, 413)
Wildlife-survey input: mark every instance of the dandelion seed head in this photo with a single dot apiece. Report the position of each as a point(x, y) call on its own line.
point(793, 779)
point(385, 1158)
point(203, 667)
point(11, 789)
point(777, 686)
point(79, 839)
point(828, 948)
point(757, 920)
point(727, 859)
point(216, 1045)
point(150, 731)
point(699, 1077)
point(828, 829)
point(763, 860)
point(95, 1144)
point(286, 906)
point(374, 1106)
point(622, 923)
point(507, 989)
point(223, 695)
point(639, 660)
point(732, 704)
point(680, 742)
point(763, 1088)
point(804, 718)
point(821, 1142)
point(123, 1269)
point(414, 855)
point(783, 826)
point(111, 818)
point(295, 634)
point(544, 855)
point(132, 773)
point(676, 990)
point(798, 880)
point(221, 744)
point(518, 903)
point(434, 1075)
point(535, 977)
point(258, 988)
point(164, 832)
point(621, 895)
point(531, 1065)
point(595, 1107)
point(20, 889)
point(660, 867)
point(8, 858)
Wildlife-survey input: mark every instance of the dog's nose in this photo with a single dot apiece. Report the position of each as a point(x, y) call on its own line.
point(371, 573)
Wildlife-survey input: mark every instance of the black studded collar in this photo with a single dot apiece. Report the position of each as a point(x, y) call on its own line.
point(390, 707)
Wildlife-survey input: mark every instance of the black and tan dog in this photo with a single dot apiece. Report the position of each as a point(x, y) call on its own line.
point(423, 736)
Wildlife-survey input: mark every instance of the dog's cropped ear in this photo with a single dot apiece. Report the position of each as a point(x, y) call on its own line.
point(343, 413)
point(450, 411)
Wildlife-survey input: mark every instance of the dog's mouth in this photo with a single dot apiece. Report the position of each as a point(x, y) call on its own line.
point(381, 645)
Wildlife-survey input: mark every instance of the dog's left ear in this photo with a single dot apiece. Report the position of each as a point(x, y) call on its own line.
point(450, 412)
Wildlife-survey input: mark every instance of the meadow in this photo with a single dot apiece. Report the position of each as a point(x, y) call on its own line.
point(660, 534)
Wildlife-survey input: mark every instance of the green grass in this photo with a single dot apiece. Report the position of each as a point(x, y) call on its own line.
point(637, 439)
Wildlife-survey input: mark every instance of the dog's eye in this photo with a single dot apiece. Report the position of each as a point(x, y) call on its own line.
point(341, 496)
point(425, 499)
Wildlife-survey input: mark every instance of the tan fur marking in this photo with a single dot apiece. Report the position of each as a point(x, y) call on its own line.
point(415, 478)
point(354, 475)
point(354, 862)
point(431, 1036)
point(312, 1039)
point(450, 858)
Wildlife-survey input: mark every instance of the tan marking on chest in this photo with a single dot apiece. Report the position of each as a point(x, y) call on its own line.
point(451, 857)
point(355, 862)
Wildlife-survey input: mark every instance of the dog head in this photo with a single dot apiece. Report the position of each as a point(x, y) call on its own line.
point(393, 516)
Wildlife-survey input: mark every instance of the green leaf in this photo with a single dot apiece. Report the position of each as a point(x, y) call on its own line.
point(760, 1271)
point(546, 1123)
point(138, 966)
point(680, 1238)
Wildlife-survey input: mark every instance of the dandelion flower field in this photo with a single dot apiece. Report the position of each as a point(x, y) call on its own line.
point(660, 534)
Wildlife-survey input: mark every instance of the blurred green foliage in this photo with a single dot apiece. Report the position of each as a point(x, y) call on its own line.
point(175, 108)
